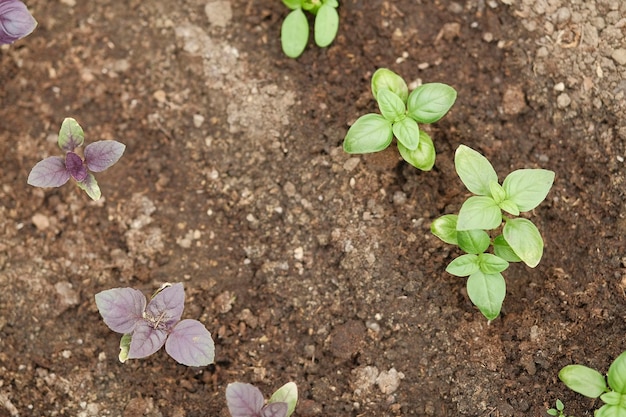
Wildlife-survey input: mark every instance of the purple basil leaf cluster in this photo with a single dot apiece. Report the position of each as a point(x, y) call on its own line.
point(16, 21)
point(246, 400)
point(152, 324)
point(56, 170)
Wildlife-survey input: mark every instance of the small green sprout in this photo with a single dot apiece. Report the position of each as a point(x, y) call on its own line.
point(558, 411)
point(294, 34)
point(401, 113)
point(592, 384)
point(518, 240)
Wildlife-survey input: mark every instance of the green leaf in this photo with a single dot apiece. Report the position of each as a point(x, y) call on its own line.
point(424, 156)
point(617, 374)
point(583, 380)
point(478, 212)
point(407, 132)
point(497, 192)
point(528, 187)
point(71, 135)
point(609, 410)
point(473, 241)
point(463, 266)
point(444, 228)
point(612, 397)
point(487, 292)
point(124, 347)
point(292, 4)
point(370, 133)
point(474, 170)
point(391, 106)
point(326, 25)
point(288, 393)
point(503, 250)
point(311, 5)
point(510, 207)
point(430, 102)
point(384, 79)
point(491, 264)
point(333, 3)
point(525, 240)
point(552, 412)
point(294, 33)
point(90, 186)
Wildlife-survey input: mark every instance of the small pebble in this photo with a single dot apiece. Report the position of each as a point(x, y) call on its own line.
point(619, 56)
point(563, 100)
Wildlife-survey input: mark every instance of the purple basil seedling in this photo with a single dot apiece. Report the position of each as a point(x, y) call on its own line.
point(246, 400)
point(56, 171)
point(148, 325)
point(16, 21)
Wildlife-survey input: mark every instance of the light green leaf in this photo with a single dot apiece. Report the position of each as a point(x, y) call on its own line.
point(609, 410)
point(463, 266)
point(288, 393)
point(491, 264)
point(370, 133)
point(430, 102)
point(528, 187)
point(326, 25)
point(311, 5)
point(294, 33)
point(292, 4)
point(583, 380)
point(71, 135)
point(391, 106)
point(473, 241)
point(90, 186)
point(617, 374)
point(444, 228)
point(510, 207)
point(612, 397)
point(478, 212)
point(424, 156)
point(406, 131)
point(384, 79)
point(474, 170)
point(487, 292)
point(503, 250)
point(496, 192)
point(525, 240)
point(333, 3)
point(124, 347)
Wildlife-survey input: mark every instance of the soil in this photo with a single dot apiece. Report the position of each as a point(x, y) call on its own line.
point(305, 263)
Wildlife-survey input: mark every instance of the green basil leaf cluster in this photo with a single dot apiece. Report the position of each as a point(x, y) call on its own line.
point(519, 240)
point(592, 384)
point(294, 34)
point(400, 114)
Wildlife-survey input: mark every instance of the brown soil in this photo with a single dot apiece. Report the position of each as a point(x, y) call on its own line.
point(304, 263)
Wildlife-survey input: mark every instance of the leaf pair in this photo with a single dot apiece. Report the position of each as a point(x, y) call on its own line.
point(400, 114)
point(592, 384)
point(294, 34)
point(520, 240)
point(147, 326)
point(55, 171)
point(246, 400)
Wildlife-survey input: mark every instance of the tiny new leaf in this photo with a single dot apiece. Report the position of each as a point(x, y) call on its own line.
point(370, 133)
point(391, 106)
point(430, 102)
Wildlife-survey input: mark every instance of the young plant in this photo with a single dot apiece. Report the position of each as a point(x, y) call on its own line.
point(16, 21)
point(147, 326)
point(246, 400)
point(558, 411)
point(55, 171)
point(401, 113)
point(294, 33)
point(518, 240)
point(592, 384)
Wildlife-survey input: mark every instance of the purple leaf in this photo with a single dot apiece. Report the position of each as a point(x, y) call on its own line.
point(145, 340)
point(71, 135)
point(102, 154)
point(244, 400)
point(74, 165)
point(90, 185)
point(16, 21)
point(50, 172)
point(121, 308)
point(275, 410)
point(190, 344)
point(167, 306)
